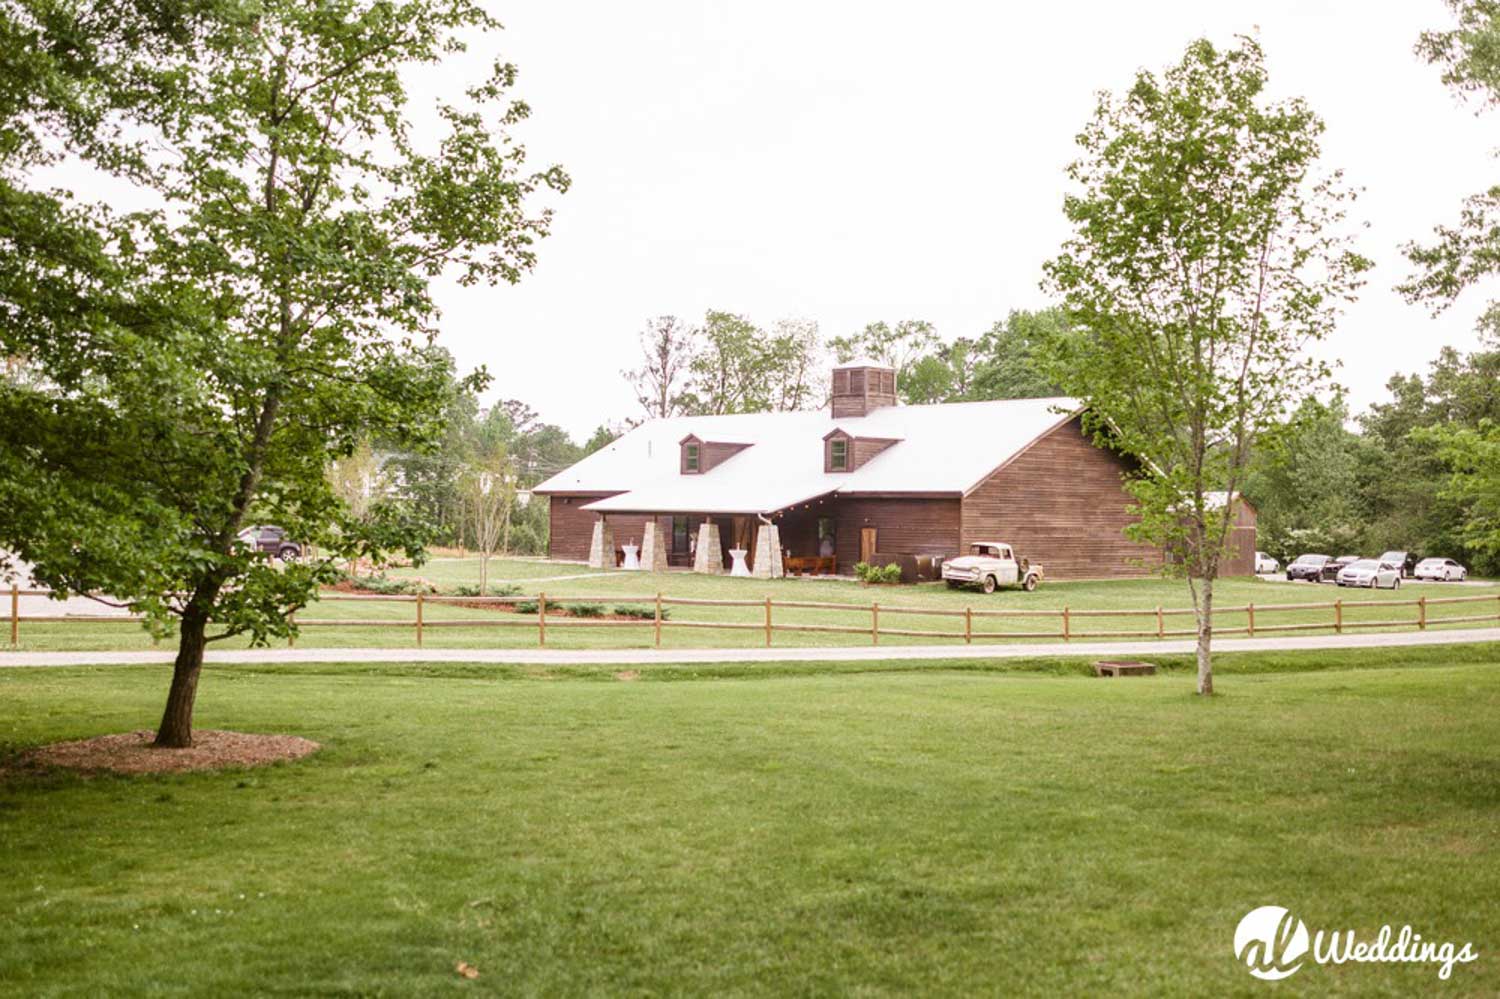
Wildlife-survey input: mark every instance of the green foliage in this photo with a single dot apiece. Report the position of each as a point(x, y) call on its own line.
point(585, 610)
point(390, 586)
point(526, 607)
point(1205, 255)
point(876, 574)
point(1472, 457)
point(900, 346)
point(1005, 361)
point(503, 590)
point(202, 366)
point(642, 613)
point(737, 367)
point(1305, 486)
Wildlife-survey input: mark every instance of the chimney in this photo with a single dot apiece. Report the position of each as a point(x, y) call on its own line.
point(861, 387)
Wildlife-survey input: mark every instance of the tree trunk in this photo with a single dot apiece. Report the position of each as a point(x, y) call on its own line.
point(1205, 639)
point(176, 728)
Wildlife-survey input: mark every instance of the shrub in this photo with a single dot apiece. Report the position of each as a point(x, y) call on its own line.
point(386, 586)
point(526, 607)
point(642, 613)
point(586, 610)
point(505, 590)
point(868, 573)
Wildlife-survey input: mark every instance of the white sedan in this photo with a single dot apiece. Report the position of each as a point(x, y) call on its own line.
point(1442, 569)
point(1265, 564)
point(1372, 573)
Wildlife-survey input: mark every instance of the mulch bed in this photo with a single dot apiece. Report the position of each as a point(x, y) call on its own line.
point(132, 752)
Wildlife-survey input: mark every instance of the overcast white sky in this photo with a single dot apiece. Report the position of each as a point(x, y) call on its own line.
point(848, 162)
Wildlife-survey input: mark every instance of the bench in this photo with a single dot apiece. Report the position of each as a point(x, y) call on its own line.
point(813, 565)
point(1123, 667)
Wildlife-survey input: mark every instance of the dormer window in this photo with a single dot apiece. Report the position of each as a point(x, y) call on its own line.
point(838, 455)
point(690, 459)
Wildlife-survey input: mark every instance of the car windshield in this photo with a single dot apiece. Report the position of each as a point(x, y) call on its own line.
point(1311, 559)
point(1393, 556)
point(1433, 563)
point(1366, 564)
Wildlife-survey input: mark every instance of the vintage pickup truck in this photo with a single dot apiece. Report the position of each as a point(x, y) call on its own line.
point(990, 564)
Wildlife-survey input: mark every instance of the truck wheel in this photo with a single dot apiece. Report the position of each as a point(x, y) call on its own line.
point(289, 552)
point(989, 584)
point(1029, 584)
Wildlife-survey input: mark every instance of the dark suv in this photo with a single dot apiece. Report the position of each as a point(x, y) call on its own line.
point(1405, 561)
point(267, 538)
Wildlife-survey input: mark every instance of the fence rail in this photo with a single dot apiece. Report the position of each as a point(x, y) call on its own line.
point(766, 623)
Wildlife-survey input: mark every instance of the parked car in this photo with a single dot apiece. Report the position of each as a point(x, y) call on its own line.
point(272, 539)
point(1308, 567)
point(1442, 569)
point(990, 564)
point(1265, 564)
point(1332, 569)
point(1371, 572)
point(1405, 561)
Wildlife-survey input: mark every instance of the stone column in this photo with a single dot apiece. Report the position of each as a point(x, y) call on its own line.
point(767, 553)
point(653, 548)
point(602, 547)
point(709, 557)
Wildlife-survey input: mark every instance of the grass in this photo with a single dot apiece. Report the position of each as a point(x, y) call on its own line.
point(495, 629)
point(781, 829)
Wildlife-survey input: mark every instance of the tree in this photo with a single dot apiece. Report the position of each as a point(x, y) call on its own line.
point(1204, 256)
point(1005, 362)
point(603, 436)
point(668, 346)
point(1463, 255)
point(487, 488)
point(1304, 484)
point(739, 368)
point(204, 364)
point(899, 346)
point(795, 368)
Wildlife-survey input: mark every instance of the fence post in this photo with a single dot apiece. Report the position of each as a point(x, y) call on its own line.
point(15, 614)
point(768, 622)
point(874, 624)
point(541, 619)
point(419, 620)
point(968, 625)
point(1067, 625)
point(1250, 609)
point(1161, 631)
point(1422, 612)
point(658, 619)
point(1338, 615)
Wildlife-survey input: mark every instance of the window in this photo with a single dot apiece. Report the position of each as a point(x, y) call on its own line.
point(838, 455)
point(690, 457)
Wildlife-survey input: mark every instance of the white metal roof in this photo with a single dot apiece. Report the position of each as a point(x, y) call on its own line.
point(943, 448)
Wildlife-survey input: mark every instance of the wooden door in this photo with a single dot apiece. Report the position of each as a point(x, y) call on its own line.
point(866, 544)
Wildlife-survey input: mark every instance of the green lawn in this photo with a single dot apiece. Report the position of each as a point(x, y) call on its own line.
point(501, 629)
point(759, 830)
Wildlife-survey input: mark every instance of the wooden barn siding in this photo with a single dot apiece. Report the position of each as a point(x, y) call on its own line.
point(905, 526)
point(1061, 503)
point(1242, 543)
point(865, 448)
point(572, 527)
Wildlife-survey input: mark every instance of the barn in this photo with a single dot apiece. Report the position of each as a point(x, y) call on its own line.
point(867, 480)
